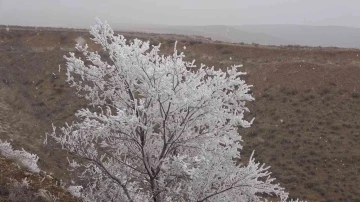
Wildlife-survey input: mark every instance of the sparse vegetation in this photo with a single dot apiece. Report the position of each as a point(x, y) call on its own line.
point(319, 163)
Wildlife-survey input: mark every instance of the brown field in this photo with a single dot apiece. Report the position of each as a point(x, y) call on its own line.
point(307, 105)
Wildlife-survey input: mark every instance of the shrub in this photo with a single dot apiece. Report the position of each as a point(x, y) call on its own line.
point(226, 52)
point(194, 42)
point(22, 158)
point(355, 95)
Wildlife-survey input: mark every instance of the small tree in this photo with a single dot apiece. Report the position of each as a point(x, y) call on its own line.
point(159, 129)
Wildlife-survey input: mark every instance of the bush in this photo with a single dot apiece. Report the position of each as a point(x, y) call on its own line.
point(355, 95)
point(22, 158)
point(226, 52)
point(194, 42)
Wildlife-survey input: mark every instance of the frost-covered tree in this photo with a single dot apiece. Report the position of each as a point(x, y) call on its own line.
point(159, 129)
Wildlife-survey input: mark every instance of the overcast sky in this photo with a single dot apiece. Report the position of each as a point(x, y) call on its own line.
point(81, 13)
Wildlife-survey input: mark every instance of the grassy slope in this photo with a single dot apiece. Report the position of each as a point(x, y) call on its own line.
point(307, 105)
point(36, 182)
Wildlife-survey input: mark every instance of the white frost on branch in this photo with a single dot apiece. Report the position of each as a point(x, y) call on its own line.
point(21, 157)
point(80, 40)
point(75, 190)
point(160, 128)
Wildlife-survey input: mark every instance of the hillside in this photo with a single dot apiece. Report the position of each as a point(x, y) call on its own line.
point(307, 104)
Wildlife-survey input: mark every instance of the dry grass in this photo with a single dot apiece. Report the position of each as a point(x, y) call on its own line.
point(11, 174)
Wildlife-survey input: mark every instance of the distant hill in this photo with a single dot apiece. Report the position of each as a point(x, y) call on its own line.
point(348, 37)
point(215, 32)
point(338, 36)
